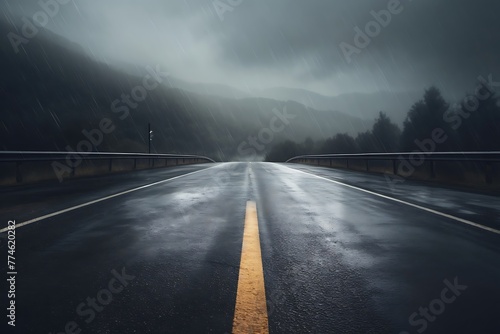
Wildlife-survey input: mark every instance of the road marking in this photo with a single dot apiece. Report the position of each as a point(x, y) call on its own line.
point(465, 221)
point(99, 200)
point(250, 313)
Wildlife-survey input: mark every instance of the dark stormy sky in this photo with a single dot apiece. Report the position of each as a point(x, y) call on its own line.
point(260, 44)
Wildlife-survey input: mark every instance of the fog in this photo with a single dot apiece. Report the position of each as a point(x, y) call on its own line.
point(264, 44)
point(335, 64)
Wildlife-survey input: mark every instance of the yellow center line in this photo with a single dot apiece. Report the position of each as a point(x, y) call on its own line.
point(250, 314)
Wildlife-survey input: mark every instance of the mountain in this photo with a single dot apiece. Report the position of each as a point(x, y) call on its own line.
point(362, 105)
point(52, 94)
point(220, 90)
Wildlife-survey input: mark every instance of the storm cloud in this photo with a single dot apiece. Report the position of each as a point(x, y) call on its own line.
point(258, 44)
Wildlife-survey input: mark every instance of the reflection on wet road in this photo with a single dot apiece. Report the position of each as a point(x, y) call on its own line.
point(349, 256)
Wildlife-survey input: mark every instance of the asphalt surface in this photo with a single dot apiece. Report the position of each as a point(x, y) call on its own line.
point(339, 253)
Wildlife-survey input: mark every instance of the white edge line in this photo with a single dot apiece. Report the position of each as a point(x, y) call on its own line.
point(465, 221)
point(34, 220)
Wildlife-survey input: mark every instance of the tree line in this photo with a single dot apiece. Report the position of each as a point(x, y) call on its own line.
point(431, 124)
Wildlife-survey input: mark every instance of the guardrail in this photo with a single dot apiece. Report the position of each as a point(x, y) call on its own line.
point(414, 164)
point(28, 166)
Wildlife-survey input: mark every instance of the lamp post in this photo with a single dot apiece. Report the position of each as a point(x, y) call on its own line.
point(150, 136)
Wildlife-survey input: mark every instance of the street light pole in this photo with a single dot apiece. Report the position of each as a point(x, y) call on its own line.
point(149, 137)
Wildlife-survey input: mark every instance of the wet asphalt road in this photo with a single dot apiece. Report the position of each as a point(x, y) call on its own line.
point(165, 259)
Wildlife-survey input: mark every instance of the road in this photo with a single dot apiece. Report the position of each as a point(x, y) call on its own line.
point(160, 251)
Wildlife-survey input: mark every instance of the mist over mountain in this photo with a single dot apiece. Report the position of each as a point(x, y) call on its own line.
point(54, 95)
point(219, 90)
point(362, 105)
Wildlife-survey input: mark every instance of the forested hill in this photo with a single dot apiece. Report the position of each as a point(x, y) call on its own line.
point(52, 90)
